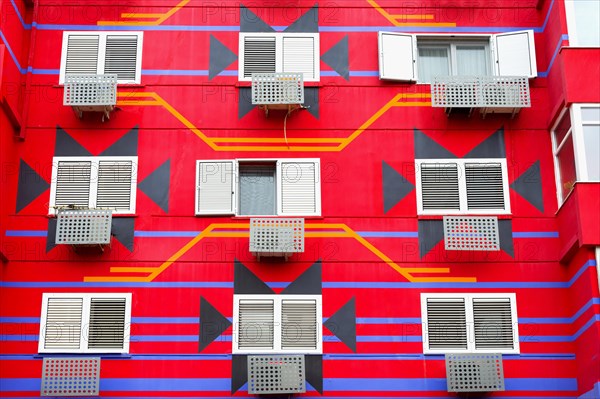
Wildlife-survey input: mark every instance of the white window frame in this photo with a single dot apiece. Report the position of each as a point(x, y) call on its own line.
point(572, 24)
point(279, 36)
point(462, 187)
point(470, 323)
point(85, 321)
point(576, 132)
point(52, 210)
point(278, 196)
point(277, 327)
point(490, 40)
point(450, 45)
point(102, 52)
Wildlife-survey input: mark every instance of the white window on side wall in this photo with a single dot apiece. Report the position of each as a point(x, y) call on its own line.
point(85, 323)
point(469, 323)
point(576, 144)
point(583, 20)
point(462, 186)
point(94, 183)
point(258, 187)
point(98, 53)
point(279, 52)
point(420, 58)
point(277, 324)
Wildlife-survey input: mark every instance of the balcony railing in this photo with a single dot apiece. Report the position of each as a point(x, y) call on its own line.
point(83, 226)
point(277, 89)
point(91, 93)
point(276, 237)
point(491, 94)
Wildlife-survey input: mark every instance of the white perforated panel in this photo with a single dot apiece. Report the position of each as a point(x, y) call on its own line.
point(90, 90)
point(474, 372)
point(82, 227)
point(471, 233)
point(277, 88)
point(268, 374)
point(70, 376)
point(480, 92)
point(273, 236)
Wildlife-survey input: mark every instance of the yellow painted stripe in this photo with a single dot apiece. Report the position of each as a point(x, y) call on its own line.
point(277, 140)
point(127, 23)
point(229, 234)
point(382, 11)
point(141, 15)
point(326, 235)
point(413, 104)
point(412, 16)
point(427, 269)
point(112, 279)
point(138, 103)
point(414, 95)
point(132, 269)
point(172, 11)
point(427, 24)
point(444, 280)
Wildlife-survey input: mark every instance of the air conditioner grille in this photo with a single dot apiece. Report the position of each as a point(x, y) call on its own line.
point(276, 374)
point(70, 376)
point(474, 372)
point(83, 226)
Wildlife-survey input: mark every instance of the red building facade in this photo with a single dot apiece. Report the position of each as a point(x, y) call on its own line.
point(439, 176)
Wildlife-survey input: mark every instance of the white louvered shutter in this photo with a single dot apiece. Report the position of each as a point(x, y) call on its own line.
point(299, 56)
point(446, 324)
point(299, 188)
point(439, 186)
point(82, 54)
point(73, 184)
point(121, 57)
point(397, 56)
point(485, 186)
point(299, 324)
point(107, 324)
point(62, 328)
point(215, 187)
point(259, 55)
point(493, 323)
point(256, 320)
point(115, 182)
point(515, 54)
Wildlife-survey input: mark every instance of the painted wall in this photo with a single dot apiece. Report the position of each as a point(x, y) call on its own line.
point(366, 133)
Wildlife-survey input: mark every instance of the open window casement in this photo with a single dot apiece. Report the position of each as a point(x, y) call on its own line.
point(514, 54)
point(258, 187)
point(469, 323)
point(397, 56)
point(97, 53)
point(279, 52)
point(94, 183)
point(277, 324)
point(85, 323)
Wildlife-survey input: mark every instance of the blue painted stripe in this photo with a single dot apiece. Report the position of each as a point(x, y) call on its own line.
point(329, 384)
point(388, 234)
point(171, 28)
point(44, 71)
point(11, 53)
point(556, 51)
point(535, 234)
point(165, 320)
point(26, 233)
point(388, 320)
point(363, 74)
point(591, 321)
point(161, 234)
point(547, 16)
point(594, 393)
point(337, 397)
point(560, 320)
point(19, 319)
point(23, 24)
point(428, 29)
point(175, 72)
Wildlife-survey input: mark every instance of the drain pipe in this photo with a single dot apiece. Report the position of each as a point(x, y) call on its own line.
point(28, 72)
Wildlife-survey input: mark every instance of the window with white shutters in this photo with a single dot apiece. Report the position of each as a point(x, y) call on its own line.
point(462, 186)
point(85, 323)
point(277, 324)
point(98, 53)
point(94, 183)
point(421, 58)
point(279, 52)
point(267, 187)
point(455, 323)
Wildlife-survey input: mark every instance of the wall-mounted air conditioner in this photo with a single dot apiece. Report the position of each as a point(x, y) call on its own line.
point(83, 227)
point(474, 372)
point(276, 236)
point(471, 233)
point(276, 374)
point(91, 93)
point(70, 376)
point(283, 91)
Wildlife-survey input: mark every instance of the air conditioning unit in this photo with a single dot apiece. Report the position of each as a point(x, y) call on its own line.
point(471, 233)
point(469, 372)
point(276, 374)
point(91, 93)
point(276, 237)
point(70, 376)
point(83, 227)
point(504, 94)
point(277, 90)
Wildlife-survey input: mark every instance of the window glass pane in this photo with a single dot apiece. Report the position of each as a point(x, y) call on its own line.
point(591, 142)
point(257, 190)
point(566, 166)
point(590, 114)
point(433, 61)
point(471, 61)
point(587, 22)
point(563, 128)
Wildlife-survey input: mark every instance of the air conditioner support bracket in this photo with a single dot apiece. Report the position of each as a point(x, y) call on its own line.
point(279, 107)
point(105, 110)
